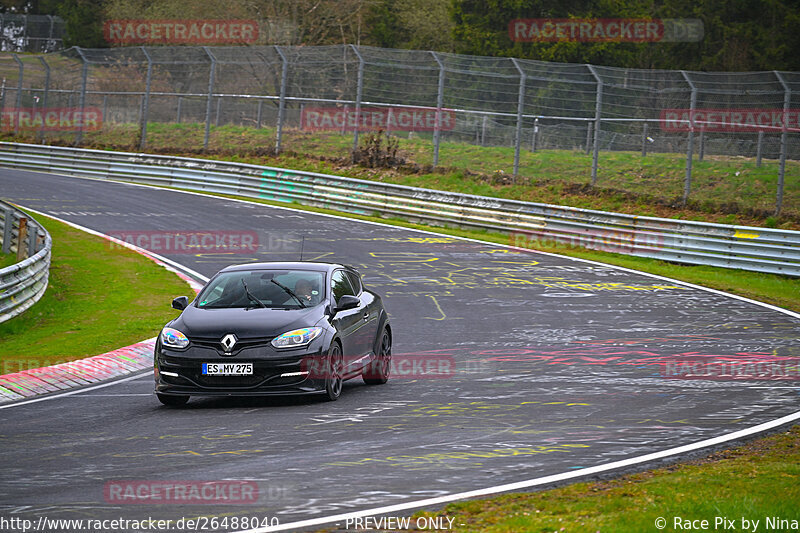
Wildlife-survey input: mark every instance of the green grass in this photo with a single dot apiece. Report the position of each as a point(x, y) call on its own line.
point(724, 189)
point(760, 479)
point(7, 260)
point(100, 297)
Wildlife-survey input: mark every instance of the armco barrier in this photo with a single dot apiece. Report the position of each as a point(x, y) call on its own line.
point(699, 243)
point(22, 284)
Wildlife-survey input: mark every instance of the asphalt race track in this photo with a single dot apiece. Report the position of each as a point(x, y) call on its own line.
point(556, 365)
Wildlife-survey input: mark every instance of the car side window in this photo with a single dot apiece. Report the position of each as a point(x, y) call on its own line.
point(340, 285)
point(355, 281)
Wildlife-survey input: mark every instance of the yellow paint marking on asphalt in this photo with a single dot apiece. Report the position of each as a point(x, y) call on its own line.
point(439, 308)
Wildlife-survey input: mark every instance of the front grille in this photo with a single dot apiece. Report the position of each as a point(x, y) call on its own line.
point(241, 344)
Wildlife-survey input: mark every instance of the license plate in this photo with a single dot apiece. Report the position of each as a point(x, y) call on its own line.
point(227, 369)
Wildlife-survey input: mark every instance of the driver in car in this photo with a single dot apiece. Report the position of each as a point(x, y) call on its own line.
point(304, 290)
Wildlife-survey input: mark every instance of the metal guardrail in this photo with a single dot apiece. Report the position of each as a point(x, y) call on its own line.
point(22, 284)
point(698, 243)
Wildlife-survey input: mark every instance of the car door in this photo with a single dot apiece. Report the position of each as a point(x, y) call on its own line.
point(370, 315)
point(347, 322)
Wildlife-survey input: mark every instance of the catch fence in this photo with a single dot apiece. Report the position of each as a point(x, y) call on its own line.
point(438, 100)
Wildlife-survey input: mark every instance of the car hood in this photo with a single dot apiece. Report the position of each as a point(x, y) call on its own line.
point(245, 323)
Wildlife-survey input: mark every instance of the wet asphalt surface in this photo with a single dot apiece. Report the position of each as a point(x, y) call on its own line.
point(547, 365)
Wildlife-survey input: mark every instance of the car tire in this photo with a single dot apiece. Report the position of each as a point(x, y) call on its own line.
point(172, 400)
point(334, 366)
point(377, 372)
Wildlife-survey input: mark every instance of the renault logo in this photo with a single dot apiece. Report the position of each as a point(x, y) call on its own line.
point(228, 341)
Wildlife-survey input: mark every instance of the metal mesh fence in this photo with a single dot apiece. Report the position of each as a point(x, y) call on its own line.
point(441, 101)
point(31, 33)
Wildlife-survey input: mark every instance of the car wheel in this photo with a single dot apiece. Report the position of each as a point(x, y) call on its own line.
point(377, 373)
point(333, 373)
point(172, 400)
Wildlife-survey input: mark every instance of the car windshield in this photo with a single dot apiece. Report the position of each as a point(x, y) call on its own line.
point(285, 289)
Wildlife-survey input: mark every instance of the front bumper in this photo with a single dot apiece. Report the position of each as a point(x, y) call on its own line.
point(179, 372)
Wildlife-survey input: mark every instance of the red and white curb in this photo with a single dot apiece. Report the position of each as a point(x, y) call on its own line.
point(115, 363)
point(81, 372)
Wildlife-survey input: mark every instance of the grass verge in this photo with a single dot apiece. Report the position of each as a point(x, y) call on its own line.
point(100, 297)
point(7, 260)
point(729, 190)
point(756, 481)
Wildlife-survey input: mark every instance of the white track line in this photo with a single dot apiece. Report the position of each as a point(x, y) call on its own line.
point(139, 374)
point(146, 253)
point(555, 478)
point(143, 251)
point(521, 484)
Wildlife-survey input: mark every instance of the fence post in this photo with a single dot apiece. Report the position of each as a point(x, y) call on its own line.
point(146, 101)
point(598, 111)
point(219, 106)
point(19, 90)
point(535, 133)
point(588, 137)
point(359, 92)
point(344, 122)
point(24, 33)
point(82, 101)
point(483, 130)
point(180, 103)
point(758, 148)
point(437, 131)
point(687, 183)
point(46, 92)
point(259, 112)
point(787, 100)
point(33, 234)
point(8, 229)
point(22, 234)
point(520, 109)
point(282, 100)
point(209, 101)
point(50, 38)
point(702, 151)
point(644, 140)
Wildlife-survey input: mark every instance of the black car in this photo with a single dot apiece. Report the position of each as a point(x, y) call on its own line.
point(274, 328)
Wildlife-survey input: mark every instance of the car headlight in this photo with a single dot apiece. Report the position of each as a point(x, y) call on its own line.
point(172, 338)
point(296, 338)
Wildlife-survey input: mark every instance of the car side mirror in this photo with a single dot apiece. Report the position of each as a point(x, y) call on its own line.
point(347, 301)
point(180, 303)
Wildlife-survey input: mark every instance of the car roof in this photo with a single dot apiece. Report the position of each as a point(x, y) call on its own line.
point(287, 265)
